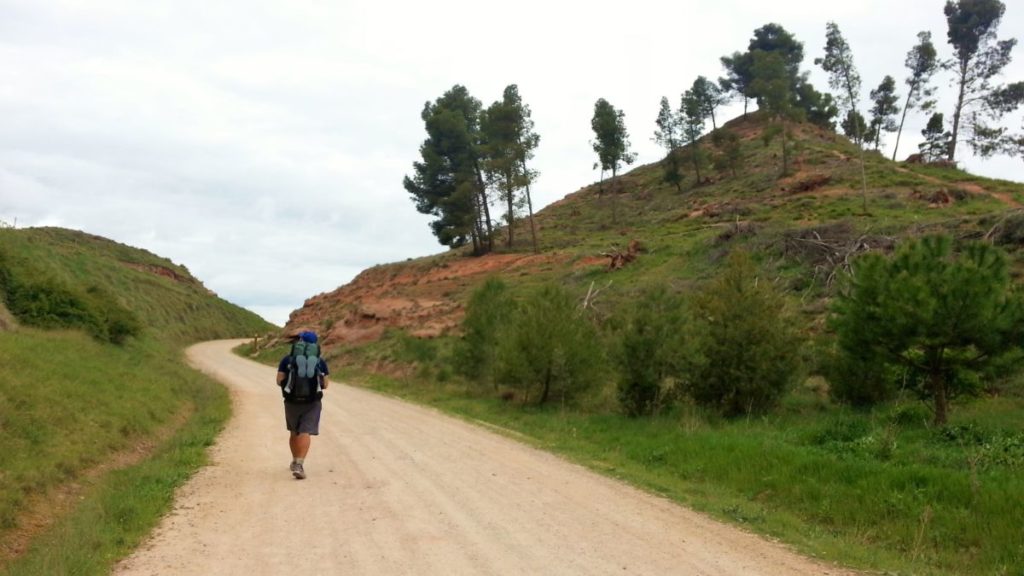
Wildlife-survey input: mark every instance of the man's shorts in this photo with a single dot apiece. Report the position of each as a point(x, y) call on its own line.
point(303, 418)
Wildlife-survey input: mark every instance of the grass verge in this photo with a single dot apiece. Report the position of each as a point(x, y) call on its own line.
point(98, 400)
point(878, 491)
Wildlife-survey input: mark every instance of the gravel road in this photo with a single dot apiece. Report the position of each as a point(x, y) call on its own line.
point(395, 488)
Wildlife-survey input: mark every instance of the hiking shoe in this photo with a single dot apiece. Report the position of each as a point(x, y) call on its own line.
point(293, 466)
point(297, 471)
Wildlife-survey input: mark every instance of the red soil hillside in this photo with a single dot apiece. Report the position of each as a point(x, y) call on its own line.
point(425, 297)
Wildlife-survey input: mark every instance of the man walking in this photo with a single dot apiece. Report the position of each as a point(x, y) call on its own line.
point(302, 376)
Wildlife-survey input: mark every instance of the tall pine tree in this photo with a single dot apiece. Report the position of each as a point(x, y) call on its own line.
point(448, 182)
point(883, 110)
point(922, 63)
point(843, 76)
point(979, 56)
point(508, 141)
point(667, 135)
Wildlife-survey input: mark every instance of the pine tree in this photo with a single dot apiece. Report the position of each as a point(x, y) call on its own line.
point(611, 141)
point(922, 63)
point(843, 76)
point(508, 141)
point(772, 88)
point(936, 139)
point(448, 182)
point(667, 135)
point(883, 110)
point(746, 353)
point(853, 126)
point(979, 58)
point(710, 97)
point(943, 318)
point(693, 111)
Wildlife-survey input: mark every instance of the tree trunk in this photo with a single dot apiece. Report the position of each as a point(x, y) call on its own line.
point(785, 150)
point(938, 385)
point(863, 173)
point(547, 385)
point(615, 202)
point(902, 120)
point(713, 125)
point(529, 206)
point(863, 183)
point(477, 230)
point(956, 113)
point(695, 153)
point(510, 198)
point(483, 202)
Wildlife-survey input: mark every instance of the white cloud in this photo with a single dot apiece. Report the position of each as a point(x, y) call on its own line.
point(219, 133)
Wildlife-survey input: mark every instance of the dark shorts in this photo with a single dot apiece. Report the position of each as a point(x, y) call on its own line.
point(303, 418)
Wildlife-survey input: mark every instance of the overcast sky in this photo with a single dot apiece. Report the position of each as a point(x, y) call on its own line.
point(229, 136)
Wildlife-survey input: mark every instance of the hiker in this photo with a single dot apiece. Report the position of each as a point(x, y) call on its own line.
point(302, 376)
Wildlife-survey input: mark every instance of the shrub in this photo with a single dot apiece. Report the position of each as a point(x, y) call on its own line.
point(858, 381)
point(41, 300)
point(487, 313)
point(945, 320)
point(748, 349)
point(652, 351)
point(547, 349)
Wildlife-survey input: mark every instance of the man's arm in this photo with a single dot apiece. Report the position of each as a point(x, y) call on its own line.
point(280, 378)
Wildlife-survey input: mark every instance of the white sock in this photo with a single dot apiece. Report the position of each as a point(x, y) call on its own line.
point(300, 460)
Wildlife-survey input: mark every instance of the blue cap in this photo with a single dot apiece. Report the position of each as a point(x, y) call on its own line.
point(308, 337)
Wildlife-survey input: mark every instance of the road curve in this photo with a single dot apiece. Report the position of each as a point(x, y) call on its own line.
point(395, 488)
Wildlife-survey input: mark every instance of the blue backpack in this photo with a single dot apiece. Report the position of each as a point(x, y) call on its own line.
point(303, 382)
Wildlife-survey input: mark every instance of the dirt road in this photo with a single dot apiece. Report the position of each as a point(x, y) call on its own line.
point(399, 489)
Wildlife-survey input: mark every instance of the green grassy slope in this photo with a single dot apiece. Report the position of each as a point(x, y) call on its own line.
point(175, 306)
point(75, 410)
point(685, 234)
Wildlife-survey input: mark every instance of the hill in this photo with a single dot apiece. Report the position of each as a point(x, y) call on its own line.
point(172, 305)
point(883, 488)
point(100, 417)
point(800, 227)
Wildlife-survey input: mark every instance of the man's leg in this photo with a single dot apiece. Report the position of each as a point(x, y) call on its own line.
point(299, 443)
point(303, 423)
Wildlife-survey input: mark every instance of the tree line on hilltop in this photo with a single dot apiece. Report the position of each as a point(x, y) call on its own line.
point(476, 157)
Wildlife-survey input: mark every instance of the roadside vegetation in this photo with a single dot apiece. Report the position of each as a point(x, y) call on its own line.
point(100, 418)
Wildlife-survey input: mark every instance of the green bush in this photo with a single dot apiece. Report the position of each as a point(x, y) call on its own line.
point(547, 349)
point(652, 352)
point(487, 312)
point(859, 382)
point(46, 302)
point(748, 348)
point(946, 320)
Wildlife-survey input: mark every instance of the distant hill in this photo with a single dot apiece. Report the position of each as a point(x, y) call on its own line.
point(802, 228)
point(93, 275)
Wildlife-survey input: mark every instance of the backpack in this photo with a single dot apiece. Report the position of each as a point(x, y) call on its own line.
point(302, 385)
